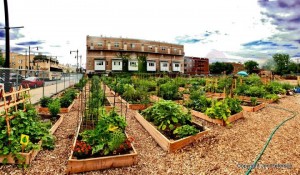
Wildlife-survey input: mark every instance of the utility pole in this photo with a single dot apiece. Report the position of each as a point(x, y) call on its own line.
point(7, 48)
point(7, 44)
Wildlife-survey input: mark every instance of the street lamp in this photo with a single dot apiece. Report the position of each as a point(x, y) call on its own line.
point(75, 57)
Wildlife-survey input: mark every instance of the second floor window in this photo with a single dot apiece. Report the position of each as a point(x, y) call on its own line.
point(116, 44)
point(132, 45)
point(163, 48)
point(100, 44)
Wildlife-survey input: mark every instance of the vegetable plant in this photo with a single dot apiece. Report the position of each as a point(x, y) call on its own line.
point(168, 116)
point(198, 101)
point(169, 91)
point(108, 135)
point(24, 123)
point(45, 101)
point(54, 107)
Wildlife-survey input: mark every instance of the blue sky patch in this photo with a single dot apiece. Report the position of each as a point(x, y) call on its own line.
point(30, 43)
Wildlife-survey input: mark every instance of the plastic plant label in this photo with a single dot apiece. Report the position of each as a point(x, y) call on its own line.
point(24, 139)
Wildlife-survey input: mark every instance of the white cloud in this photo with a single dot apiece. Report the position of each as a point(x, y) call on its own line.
point(66, 23)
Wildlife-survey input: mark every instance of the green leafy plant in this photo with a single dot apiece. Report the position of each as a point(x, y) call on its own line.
point(219, 110)
point(234, 105)
point(108, 135)
point(139, 96)
point(54, 107)
point(169, 91)
point(275, 88)
point(167, 116)
point(23, 123)
point(198, 101)
point(253, 101)
point(273, 97)
point(45, 101)
point(185, 130)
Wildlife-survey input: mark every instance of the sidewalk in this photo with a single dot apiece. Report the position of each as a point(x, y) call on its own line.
point(50, 90)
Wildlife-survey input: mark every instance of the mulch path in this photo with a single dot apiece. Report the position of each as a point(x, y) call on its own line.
point(225, 150)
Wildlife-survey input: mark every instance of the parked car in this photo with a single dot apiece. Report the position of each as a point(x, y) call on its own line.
point(33, 82)
point(16, 79)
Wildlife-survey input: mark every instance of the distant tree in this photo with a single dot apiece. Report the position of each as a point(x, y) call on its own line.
point(251, 66)
point(219, 68)
point(216, 68)
point(282, 61)
point(293, 67)
point(40, 57)
point(228, 68)
point(2, 60)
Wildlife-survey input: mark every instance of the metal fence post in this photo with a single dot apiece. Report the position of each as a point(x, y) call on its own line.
point(69, 80)
point(43, 83)
point(64, 81)
point(56, 84)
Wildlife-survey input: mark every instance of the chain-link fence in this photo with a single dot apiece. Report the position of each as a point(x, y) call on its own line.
point(41, 83)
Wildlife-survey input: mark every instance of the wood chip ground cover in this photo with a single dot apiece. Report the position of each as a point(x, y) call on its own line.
point(222, 151)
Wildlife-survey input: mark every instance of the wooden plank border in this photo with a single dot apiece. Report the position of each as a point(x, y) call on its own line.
point(166, 144)
point(231, 119)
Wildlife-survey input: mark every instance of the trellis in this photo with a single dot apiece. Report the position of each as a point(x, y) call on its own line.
point(11, 100)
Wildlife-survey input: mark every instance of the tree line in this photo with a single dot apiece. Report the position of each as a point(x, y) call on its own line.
point(280, 64)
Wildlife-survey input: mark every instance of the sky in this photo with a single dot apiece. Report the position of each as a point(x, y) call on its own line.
point(231, 31)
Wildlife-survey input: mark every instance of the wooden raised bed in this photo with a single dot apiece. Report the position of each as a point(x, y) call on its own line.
point(166, 144)
point(28, 157)
point(137, 106)
point(218, 95)
point(61, 110)
point(217, 121)
point(253, 108)
point(56, 124)
point(82, 165)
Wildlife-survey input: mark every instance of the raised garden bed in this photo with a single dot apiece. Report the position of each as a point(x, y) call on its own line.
point(231, 119)
point(218, 95)
point(55, 123)
point(89, 164)
point(28, 157)
point(163, 141)
point(250, 108)
point(137, 106)
point(62, 110)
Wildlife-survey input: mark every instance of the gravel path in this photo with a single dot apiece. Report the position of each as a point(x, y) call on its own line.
point(222, 151)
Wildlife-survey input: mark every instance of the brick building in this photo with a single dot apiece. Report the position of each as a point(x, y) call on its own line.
point(106, 54)
point(196, 65)
point(237, 67)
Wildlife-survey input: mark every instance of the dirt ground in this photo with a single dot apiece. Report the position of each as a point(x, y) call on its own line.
point(225, 150)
